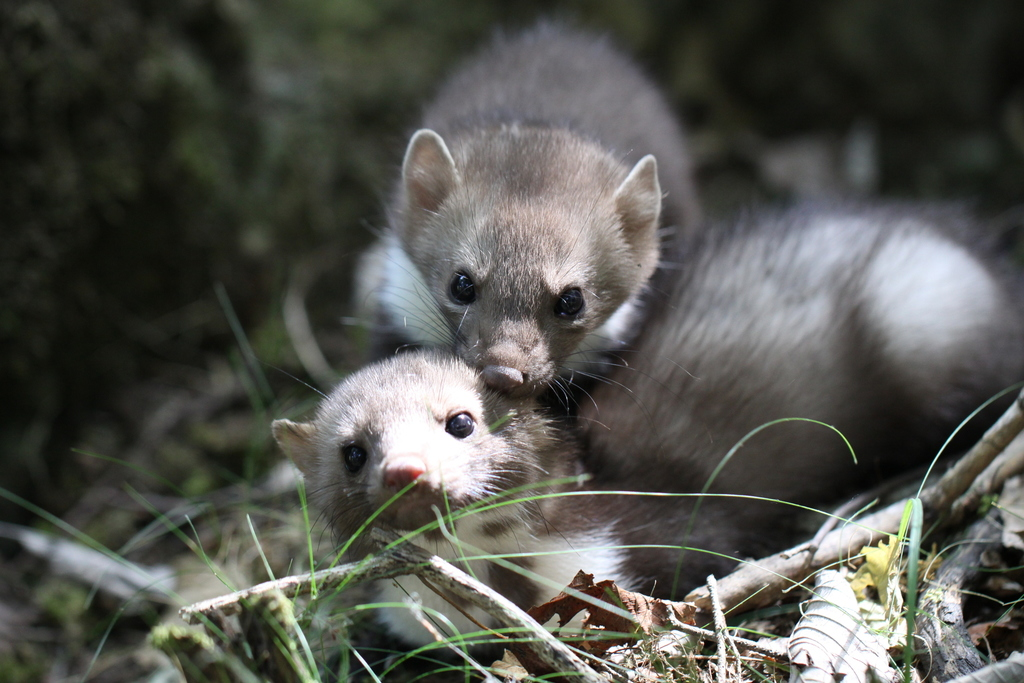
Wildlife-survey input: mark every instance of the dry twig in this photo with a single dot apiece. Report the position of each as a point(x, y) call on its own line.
point(761, 583)
point(399, 560)
point(721, 631)
point(940, 620)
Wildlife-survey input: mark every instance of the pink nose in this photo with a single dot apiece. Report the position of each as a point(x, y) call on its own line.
point(402, 470)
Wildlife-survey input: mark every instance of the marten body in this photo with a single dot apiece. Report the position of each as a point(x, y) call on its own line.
point(525, 225)
point(877, 320)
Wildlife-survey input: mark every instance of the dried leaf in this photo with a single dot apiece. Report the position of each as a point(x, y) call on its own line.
point(567, 605)
point(881, 570)
point(874, 617)
point(884, 564)
point(1009, 670)
point(830, 643)
point(603, 629)
point(509, 667)
point(1011, 502)
point(999, 637)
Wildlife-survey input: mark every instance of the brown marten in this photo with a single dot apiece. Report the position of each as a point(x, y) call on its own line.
point(527, 220)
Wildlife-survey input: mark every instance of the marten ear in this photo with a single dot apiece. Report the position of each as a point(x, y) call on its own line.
point(296, 440)
point(428, 172)
point(638, 204)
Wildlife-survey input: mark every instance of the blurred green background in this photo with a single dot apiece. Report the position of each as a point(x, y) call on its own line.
point(154, 153)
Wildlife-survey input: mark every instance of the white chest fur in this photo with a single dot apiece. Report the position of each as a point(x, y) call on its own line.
point(554, 558)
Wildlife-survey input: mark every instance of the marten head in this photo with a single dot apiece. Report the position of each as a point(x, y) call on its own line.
point(417, 437)
point(532, 243)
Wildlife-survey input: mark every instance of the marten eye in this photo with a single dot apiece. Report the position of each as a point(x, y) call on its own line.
point(354, 457)
point(462, 289)
point(460, 426)
point(570, 304)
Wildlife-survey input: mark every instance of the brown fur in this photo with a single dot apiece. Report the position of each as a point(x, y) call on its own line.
point(869, 319)
point(532, 176)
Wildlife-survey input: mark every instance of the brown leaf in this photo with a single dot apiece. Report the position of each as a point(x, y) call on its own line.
point(648, 614)
point(567, 606)
point(1011, 501)
point(1001, 637)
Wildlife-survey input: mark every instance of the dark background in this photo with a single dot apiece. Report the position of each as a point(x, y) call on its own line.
point(154, 153)
point(168, 168)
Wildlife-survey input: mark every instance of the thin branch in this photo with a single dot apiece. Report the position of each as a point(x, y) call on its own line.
point(769, 649)
point(720, 631)
point(940, 620)
point(959, 478)
point(1007, 464)
point(404, 559)
point(761, 583)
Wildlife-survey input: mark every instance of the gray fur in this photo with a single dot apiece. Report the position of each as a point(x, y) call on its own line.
point(870, 319)
point(378, 406)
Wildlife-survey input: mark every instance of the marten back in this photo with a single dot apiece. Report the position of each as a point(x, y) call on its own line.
point(874, 320)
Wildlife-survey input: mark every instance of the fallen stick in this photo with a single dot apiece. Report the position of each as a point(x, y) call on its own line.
point(753, 585)
point(402, 559)
point(959, 478)
point(1006, 464)
point(761, 583)
point(949, 652)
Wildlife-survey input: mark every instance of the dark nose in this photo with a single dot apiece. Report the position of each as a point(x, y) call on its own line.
point(502, 378)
